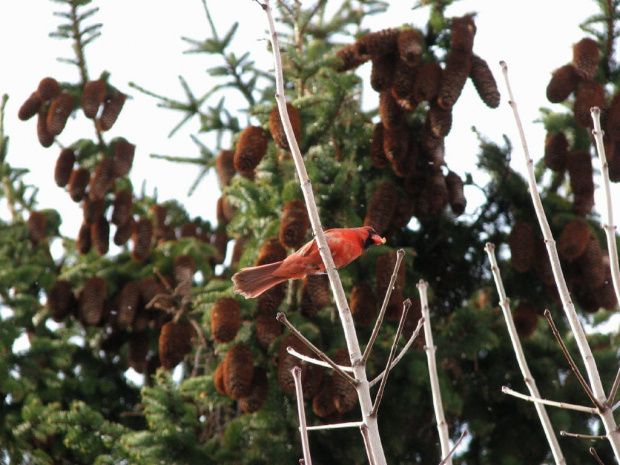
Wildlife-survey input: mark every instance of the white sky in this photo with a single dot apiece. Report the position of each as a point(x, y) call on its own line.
point(141, 42)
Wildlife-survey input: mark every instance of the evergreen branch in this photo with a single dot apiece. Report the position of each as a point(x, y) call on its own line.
point(399, 330)
point(564, 405)
point(442, 426)
point(530, 382)
point(610, 227)
point(346, 318)
point(399, 259)
point(303, 429)
point(569, 309)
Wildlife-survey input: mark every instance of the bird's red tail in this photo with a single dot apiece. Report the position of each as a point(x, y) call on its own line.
point(253, 281)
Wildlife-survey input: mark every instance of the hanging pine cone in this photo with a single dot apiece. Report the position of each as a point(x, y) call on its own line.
point(175, 342)
point(138, 351)
point(225, 166)
point(36, 225)
point(384, 269)
point(124, 231)
point(83, 242)
point(218, 379)
point(93, 96)
point(525, 317)
point(382, 207)
point(64, 167)
point(542, 264)
point(30, 107)
point(363, 304)
point(259, 389)
point(612, 126)
point(238, 371)
point(522, 242)
point(100, 235)
point(436, 193)
point(251, 148)
point(271, 252)
point(127, 304)
point(591, 264)
point(456, 196)
point(484, 82)
point(382, 72)
point(225, 319)
point(395, 148)
point(78, 182)
point(440, 120)
point(345, 395)
point(48, 89)
point(606, 293)
point(124, 153)
point(277, 128)
point(122, 207)
point(91, 301)
point(287, 361)
point(268, 329)
point(60, 300)
point(402, 85)
point(59, 111)
point(378, 43)
point(294, 224)
point(462, 35)
point(457, 70)
point(270, 300)
point(45, 137)
point(315, 294)
point(377, 155)
point(102, 179)
point(392, 115)
point(142, 236)
point(579, 166)
point(426, 84)
point(589, 94)
point(409, 45)
point(323, 403)
point(556, 151)
point(574, 239)
point(220, 242)
point(111, 109)
point(349, 58)
point(563, 82)
point(92, 209)
point(585, 57)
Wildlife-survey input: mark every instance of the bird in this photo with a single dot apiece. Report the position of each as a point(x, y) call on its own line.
point(346, 244)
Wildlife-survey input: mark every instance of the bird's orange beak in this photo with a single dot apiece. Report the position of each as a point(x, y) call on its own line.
point(378, 239)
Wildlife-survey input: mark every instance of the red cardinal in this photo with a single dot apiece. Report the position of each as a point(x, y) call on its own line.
point(345, 244)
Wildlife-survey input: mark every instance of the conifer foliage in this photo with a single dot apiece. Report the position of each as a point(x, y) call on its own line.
point(144, 287)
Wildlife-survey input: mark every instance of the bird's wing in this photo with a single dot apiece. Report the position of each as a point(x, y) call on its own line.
point(306, 249)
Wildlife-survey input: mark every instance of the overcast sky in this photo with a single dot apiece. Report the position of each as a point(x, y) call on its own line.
point(141, 42)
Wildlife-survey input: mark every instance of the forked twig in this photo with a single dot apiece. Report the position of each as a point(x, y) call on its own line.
point(281, 317)
point(571, 362)
point(579, 408)
point(399, 330)
point(458, 443)
point(375, 331)
point(305, 443)
point(442, 426)
point(518, 349)
point(402, 353)
point(614, 388)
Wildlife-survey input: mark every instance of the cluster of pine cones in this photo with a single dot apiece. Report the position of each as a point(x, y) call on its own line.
point(406, 81)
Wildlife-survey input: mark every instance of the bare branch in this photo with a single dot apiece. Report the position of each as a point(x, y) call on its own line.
point(399, 330)
point(607, 418)
point(402, 353)
point(581, 436)
point(305, 443)
point(592, 451)
point(442, 426)
point(351, 424)
point(281, 317)
point(367, 444)
point(458, 443)
point(579, 408)
point(525, 369)
point(571, 362)
point(314, 361)
point(610, 227)
point(614, 388)
point(375, 331)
